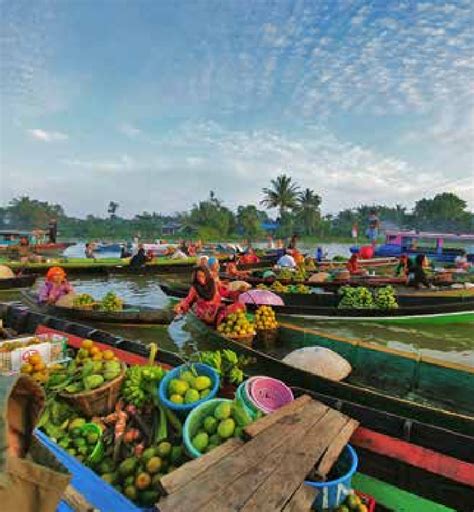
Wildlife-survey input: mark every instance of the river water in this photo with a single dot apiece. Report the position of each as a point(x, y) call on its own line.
point(454, 342)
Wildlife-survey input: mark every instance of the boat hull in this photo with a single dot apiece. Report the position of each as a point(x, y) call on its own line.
point(17, 282)
point(130, 315)
point(380, 385)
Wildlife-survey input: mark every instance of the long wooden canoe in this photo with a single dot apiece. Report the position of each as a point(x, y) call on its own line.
point(402, 383)
point(116, 266)
point(17, 282)
point(400, 461)
point(129, 315)
point(416, 312)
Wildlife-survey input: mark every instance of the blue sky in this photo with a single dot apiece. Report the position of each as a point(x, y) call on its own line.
point(153, 103)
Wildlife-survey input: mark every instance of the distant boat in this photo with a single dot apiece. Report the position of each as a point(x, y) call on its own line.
point(38, 244)
point(107, 248)
point(433, 245)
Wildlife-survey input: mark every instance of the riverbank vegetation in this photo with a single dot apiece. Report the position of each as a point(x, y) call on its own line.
point(285, 208)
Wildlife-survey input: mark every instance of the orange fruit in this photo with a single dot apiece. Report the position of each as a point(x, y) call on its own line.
point(87, 344)
point(39, 367)
point(35, 359)
point(97, 357)
point(93, 351)
point(108, 355)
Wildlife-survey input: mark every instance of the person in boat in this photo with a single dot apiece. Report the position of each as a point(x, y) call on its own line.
point(179, 255)
point(53, 231)
point(461, 262)
point(373, 229)
point(232, 268)
point(126, 251)
point(140, 259)
point(249, 258)
point(319, 254)
point(205, 299)
point(55, 286)
point(24, 250)
point(403, 267)
point(286, 261)
point(214, 268)
point(418, 277)
point(203, 261)
point(270, 242)
point(293, 242)
point(89, 251)
point(353, 264)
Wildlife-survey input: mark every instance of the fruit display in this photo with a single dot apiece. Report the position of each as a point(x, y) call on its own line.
point(225, 420)
point(285, 274)
point(10, 346)
point(90, 369)
point(83, 300)
point(354, 503)
point(265, 319)
point(236, 325)
point(355, 298)
point(36, 368)
point(227, 364)
point(385, 298)
point(277, 287)
point(111, 302)
point(189, 388)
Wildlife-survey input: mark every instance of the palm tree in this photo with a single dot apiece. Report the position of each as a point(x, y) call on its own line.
point(282, 194)
point(308, 210)
point(113, 206)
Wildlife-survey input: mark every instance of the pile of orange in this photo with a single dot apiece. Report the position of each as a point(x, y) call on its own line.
point(89, 351)
point(265, 319)
point(36, 368)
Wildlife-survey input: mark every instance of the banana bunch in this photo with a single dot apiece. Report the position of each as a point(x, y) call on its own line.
point(385, 298)
point(84, 299)
point(140, 384)
point(355, 298)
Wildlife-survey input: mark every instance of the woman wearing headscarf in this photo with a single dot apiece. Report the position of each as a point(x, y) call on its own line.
point(418, 277)
point(205, 299)
point(55, 286)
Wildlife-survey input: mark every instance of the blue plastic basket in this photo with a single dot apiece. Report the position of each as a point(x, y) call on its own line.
point(201, 369)
point(333, 493)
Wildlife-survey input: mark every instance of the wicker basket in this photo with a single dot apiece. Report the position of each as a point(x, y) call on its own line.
point(246, 340)
point(100, 401)
point(267, 336)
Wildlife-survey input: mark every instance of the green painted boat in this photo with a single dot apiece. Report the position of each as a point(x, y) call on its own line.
point(407, 384)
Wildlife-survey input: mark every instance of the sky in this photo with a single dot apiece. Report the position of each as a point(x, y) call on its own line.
point(152, 103)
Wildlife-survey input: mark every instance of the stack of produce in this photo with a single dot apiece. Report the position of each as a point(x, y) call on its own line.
point(227, 364)
point(277, 287)
point(265, 319)
point(385, 298)
point(355, 298)
point(298, 288)
point(36, 368)
point(111, 302)
point(216, 422)
point(237, 325)
point(354, 503)
point(285, 274)
point(189, 388)
point(84, 300)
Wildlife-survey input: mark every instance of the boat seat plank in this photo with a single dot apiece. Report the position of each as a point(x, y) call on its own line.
point(183, 475)
point(263, 423)
point(272, 495)
point(197, 494)
point(302, 499)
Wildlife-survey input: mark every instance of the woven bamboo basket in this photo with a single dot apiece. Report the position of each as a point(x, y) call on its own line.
point(100, 401)
point(246, 340)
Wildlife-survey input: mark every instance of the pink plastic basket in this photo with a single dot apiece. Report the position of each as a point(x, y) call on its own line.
point(268, 394)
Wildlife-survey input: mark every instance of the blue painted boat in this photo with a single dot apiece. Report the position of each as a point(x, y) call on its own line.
point(434, 245)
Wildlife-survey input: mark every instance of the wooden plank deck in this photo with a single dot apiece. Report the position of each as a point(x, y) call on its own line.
point(267, 471)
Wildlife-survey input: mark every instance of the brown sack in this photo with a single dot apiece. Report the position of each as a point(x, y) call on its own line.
point(31, 478)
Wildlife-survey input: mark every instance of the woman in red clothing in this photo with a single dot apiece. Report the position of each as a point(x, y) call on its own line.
point(353, 264)
point(205, 297)
point(249, 257)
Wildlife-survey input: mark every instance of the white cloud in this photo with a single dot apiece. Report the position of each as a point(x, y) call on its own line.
point(129, 130)
point(47, 136)
point(117, 165)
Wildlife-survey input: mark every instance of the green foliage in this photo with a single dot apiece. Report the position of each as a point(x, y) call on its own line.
point(282, 194)
point(308, 211)
point(249, 220)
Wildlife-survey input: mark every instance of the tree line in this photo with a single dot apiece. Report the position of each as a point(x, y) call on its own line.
point(298, 210)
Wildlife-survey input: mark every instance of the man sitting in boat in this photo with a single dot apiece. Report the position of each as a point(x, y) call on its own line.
point(89, 251)
point(206, 300)
point(139, 259)
point(418, 277)
point(55, 286)
point(287, 260)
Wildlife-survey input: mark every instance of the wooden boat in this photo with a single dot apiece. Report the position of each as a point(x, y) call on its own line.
point(114, 266)
point(129, 315)
point(17, 282)
point(10, 242)
point(402, 463)
point(413, 311)
point(395, 381)
point(406, 242)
